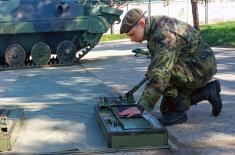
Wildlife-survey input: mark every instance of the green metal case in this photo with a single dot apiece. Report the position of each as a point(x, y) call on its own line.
point(121, 132)
point(10, 122)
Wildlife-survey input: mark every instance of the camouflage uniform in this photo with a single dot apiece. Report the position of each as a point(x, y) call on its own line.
point(180, 60)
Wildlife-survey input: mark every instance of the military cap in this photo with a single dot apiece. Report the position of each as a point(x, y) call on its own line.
point(131, 19)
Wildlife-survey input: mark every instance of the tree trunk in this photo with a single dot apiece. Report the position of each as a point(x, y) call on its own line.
point(195, 14)
point(111, 29)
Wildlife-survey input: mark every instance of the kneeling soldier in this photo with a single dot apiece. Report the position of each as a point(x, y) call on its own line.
point(181, 68)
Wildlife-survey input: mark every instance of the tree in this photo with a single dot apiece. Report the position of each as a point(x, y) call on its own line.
point(195, 14)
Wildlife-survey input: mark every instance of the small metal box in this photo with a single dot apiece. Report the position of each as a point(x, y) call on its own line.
point(10, 122)
point(121, 132)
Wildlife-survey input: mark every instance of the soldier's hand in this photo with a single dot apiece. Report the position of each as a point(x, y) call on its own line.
point(130, 112)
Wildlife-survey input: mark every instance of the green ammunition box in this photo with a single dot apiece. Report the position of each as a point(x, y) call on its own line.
point(10, 122)
point(142, 130)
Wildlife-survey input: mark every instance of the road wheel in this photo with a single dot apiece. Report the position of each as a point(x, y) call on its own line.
point(41, 53)
point(66, 51)
point(15, 55)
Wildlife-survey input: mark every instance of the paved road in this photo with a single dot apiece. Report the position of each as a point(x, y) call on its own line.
point(58, 104)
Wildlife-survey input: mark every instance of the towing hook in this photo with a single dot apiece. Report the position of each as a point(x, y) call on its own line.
point(62, 8)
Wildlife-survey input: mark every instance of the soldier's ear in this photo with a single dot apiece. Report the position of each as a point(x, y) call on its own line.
point(142, 23)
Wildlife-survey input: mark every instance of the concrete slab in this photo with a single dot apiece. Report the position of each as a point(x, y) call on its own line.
point(58, 107)
point(58, 104)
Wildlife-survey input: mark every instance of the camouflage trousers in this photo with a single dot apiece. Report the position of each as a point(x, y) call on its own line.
point(185, 79)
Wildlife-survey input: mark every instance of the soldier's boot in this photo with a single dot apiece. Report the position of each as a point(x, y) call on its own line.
point(167, 105)
point(210, 92)
point(177, 116)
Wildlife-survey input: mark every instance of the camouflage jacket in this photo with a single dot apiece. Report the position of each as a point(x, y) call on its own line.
point(171, 42)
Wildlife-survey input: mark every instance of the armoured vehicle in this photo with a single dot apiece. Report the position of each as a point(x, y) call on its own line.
point(31, 31)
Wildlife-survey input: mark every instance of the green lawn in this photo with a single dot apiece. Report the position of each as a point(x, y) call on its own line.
point(113, 37)
point(221, 34)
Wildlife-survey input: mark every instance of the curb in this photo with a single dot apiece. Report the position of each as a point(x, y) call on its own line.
point(114, 43)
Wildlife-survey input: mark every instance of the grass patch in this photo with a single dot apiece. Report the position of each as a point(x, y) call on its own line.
point(221, 34)
point(113, 37)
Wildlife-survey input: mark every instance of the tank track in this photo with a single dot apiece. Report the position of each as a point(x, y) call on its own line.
point(54, 61)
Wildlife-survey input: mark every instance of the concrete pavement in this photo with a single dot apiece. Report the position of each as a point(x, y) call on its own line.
point(58, 104)
point(203, 133)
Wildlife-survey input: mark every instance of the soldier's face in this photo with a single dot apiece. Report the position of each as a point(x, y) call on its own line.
point(136, 34)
